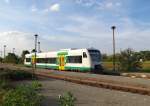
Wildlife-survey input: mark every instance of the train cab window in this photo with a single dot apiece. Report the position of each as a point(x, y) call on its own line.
point(95, 55)
point(84, 55)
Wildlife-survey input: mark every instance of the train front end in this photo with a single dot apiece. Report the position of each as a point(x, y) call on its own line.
point(95, 60)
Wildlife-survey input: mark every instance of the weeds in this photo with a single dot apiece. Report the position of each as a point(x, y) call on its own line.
point(15, 75)
point(23, 95)
point(67, 99)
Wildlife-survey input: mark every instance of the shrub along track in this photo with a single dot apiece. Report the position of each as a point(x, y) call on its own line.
point(102, 83)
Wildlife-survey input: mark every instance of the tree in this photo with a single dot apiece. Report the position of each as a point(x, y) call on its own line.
point(129, 61)
point(1, 59)
point(24, 52)
point(104, 57)
point(145, 54)
point(11, 58)
point(33, 51)
point(148, 55)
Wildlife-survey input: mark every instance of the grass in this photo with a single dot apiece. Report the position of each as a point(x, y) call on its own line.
point(6, 83)
point(23, 95)
point(145, 65)
point(67, 99)
point(14, 74)
point(2, 92)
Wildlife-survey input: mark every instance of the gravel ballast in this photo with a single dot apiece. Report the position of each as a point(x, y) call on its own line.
point(90, 96)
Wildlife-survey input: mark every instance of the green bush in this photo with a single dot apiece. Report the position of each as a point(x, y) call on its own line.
point(15, 75)
point(67, 100)
point(128, 61)
point(2, 93)
point(36, 85)
point(23, 95)
point(11, 58)
point(4, 84)
point(4, 81)
point(7, 75)
point(19, 75)
point(4, 75)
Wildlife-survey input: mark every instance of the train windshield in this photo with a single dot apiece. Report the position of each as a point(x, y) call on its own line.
point(95, 55)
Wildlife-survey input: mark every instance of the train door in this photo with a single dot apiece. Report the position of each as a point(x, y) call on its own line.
point(61, 62)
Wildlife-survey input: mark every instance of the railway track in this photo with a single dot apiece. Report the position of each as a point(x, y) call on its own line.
point(102, 83)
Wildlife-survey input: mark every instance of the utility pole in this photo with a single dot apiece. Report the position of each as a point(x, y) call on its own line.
point(114, 54)
point(34, 58)
point(35, 48)
point(1, 53)
point(39, 47)
point(13, 50)
point(4, 50)
point(1, 57)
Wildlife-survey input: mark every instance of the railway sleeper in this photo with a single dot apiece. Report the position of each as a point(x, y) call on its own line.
point(100, 84)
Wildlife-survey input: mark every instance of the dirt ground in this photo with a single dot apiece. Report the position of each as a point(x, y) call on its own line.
point(89, 96)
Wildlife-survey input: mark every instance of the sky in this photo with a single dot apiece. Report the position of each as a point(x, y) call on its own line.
point(74, 24)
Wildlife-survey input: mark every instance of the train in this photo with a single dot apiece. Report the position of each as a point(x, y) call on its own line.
point(83, 60)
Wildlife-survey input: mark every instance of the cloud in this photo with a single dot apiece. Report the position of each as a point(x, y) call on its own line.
point(109, 5)
point(55, 7)
point(118, 4)
point(7, 1)
point(25, 41)
point(101, 4)
point(78, 29)
point(90, 2)
point(85, 26)
point(34, 8)
point(16, 39)
point(87, 32)
point(91, 29)
point(106, 7)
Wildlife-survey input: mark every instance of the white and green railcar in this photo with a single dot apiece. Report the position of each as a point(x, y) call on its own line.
point(67, 59)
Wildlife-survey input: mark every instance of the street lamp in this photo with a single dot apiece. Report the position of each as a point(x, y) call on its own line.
point(1, 53)
point(39, 47)
point(13, 50)
point(114, 56)
point(35, 48)
point(1, 56)
point(4, 50)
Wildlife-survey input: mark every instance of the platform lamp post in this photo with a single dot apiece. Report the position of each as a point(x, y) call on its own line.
point(1, 53)
point(4, 50)
point(1, 56)
point(13, 50)
point(39, 47)
point(114, 55)
point(35, 48)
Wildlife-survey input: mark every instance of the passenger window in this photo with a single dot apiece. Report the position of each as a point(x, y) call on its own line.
point(84, 55)
point(74, 59)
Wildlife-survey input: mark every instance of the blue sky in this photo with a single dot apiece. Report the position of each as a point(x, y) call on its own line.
point(74, 24)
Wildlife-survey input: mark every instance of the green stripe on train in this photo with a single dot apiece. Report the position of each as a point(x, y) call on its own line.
point(28, 65)
point(83, 69)
point(78, 68)
point(47, 66)
point(43, 66)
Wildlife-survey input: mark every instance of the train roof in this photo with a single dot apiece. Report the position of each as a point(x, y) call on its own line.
point(63, 50)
